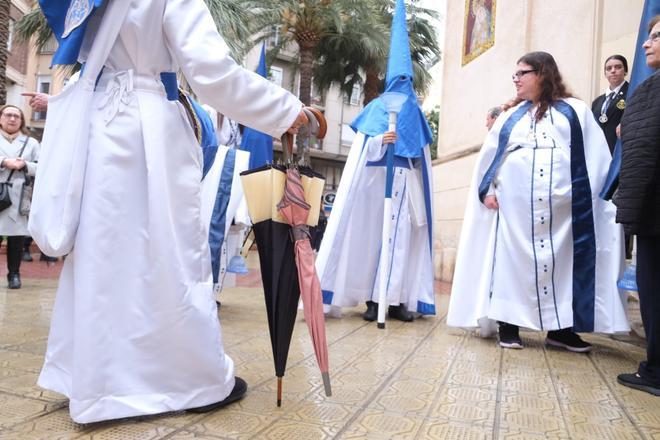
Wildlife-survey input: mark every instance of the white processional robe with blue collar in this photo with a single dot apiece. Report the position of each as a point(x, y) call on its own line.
point(551, 256)
point(348, 260)
point(135, 329)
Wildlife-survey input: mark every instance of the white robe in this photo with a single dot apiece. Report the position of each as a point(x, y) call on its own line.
point(236, 207)
point(516, 265)
point(348, 260)
point(135, 329)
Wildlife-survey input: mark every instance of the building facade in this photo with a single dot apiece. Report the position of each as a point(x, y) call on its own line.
point(18, 55)
point(580, 34)
point(329, 155)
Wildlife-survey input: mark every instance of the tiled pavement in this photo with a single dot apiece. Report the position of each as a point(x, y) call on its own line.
point(418, 381)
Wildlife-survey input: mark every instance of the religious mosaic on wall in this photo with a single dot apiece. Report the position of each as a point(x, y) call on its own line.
point(479, 29)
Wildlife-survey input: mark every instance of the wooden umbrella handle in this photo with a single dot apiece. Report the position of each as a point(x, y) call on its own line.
point(287, 148)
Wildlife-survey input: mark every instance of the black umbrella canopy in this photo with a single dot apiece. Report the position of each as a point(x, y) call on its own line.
point(278, 273)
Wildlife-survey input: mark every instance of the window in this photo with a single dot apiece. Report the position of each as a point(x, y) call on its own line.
point(274, 39)
point(49, 47)
point(43, 86)
point(356, 94)
point(276, 75)
point(10, 37)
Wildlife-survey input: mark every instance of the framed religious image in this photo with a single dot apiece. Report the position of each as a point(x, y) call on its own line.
point(479, 29)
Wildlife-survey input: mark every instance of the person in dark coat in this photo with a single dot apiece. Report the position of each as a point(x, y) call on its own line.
point(608, 108)
point(638, 206)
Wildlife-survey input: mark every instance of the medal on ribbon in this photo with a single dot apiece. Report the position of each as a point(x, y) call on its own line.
point(603, 118)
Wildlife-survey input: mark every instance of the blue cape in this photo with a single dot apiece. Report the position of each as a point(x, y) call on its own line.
point(68, 20)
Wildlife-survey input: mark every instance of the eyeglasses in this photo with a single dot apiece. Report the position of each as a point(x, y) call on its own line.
point(519, 74)
point(654, 37)
point(11, 116)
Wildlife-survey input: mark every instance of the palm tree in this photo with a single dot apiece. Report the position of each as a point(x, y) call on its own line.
point(34, 24)
point(307, 23)
point(4, 37)
point(362, 48)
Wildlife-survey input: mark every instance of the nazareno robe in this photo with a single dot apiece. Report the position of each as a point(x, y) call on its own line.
point(551, 256)
point(135, 329)
point(348, 260)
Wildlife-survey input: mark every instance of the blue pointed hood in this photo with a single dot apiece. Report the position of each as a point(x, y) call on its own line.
point(68, 20)
point(412, 128)
point(260, 145)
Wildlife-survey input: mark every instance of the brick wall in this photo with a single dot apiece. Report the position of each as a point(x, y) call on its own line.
point(19, 51)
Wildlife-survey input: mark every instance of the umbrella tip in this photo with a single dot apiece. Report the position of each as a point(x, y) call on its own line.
point(326, 383)
point(279, 392)
point(381, 325)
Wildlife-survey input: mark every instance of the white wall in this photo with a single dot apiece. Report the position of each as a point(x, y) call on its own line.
point(580, 34)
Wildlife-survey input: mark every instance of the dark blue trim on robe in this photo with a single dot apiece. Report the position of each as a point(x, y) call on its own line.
point(327, 296)
point(399, 162)
point(219, 215)
point(427, 201)
point(425, 309)
point(584, 235)
point(171, 85)
point(503, 140)
point(612, 179)
point(209, 140)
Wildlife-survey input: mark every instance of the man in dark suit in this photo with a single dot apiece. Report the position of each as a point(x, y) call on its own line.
point(608, 108)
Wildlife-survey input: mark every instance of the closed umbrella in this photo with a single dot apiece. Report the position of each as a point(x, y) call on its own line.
point(296, 211)
point(264, 189)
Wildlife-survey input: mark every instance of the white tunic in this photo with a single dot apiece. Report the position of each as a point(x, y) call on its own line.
point(348, 260)
point(516, 265)
point(135, 329)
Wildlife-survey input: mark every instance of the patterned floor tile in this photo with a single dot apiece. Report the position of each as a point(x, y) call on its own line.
point(372, 424)
point(417, 380)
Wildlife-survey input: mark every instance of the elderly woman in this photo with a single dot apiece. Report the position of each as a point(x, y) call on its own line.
point(638, 206)
point(18, 160)
point(539, 249)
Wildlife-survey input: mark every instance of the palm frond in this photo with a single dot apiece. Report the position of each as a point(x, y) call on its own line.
point(33, 24)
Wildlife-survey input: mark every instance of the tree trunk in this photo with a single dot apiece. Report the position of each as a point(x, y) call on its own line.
point(306, 67)
point(371, 85)
point(4, 35)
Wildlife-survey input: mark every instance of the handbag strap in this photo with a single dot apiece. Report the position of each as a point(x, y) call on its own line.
point(105, 38)
point(20, 153)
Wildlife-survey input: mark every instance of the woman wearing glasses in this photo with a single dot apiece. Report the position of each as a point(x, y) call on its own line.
point(638, 206)
point(18, 160)
point(552, 252)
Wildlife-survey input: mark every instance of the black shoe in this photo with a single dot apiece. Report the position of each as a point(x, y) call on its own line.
point(237, 393)
point(634, 380)
point(372, 311)
point(567, 339)
point(47, 259)
point(400, 312)
point(510, 336)
point(14, 281)
point(27, 256)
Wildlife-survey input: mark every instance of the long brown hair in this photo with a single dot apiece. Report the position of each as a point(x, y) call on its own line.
point(552, 84)
point(22, 128)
